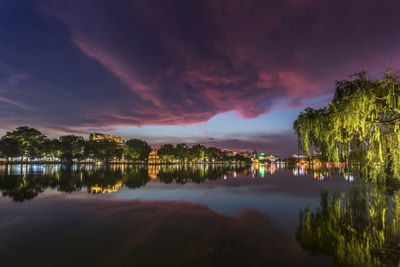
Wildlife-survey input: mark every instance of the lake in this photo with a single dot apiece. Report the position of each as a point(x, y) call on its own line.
point(192, 215)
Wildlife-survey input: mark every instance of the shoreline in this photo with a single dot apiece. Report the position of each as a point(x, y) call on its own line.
point(119, 163)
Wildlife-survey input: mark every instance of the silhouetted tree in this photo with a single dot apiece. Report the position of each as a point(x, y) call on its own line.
point(9, 147)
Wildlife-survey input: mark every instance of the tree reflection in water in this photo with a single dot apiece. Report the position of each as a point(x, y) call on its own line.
point(25, 182)
point(358, 228)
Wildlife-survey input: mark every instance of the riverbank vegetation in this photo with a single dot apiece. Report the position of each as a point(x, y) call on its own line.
point(27, 144)
point(361, 124)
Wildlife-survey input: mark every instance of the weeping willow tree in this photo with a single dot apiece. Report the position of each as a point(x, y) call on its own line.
point(361, 123)
point(360, 228)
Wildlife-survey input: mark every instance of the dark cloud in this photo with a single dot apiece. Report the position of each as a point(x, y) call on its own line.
point(101, 63)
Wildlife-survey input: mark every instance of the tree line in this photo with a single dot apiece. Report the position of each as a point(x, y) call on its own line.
point(26, 143)
point(198, 153)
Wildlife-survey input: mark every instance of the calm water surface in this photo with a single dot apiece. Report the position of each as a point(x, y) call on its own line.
point(55, 215)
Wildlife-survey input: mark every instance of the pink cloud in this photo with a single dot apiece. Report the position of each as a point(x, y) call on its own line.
point(184, 63)
point(116, 67)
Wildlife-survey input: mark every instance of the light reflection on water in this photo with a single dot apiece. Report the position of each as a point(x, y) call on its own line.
point(136, 207)
point(25, 182)
point(226, 189)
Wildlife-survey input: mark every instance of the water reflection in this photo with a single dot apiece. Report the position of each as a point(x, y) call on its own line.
point(324, 172)
point(261, 170)
point(230, 215)
point(105, 189)
point(144, 233)
point(24, 182)
point(153, 171)
point(357, 228)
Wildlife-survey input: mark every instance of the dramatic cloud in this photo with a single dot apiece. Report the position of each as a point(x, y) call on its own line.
point(186, 61)
point(101, 63)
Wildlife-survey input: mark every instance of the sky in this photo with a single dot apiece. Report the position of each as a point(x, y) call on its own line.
point(227, 73)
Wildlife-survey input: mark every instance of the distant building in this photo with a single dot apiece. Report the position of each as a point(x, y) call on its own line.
point(153, 157)
point(100, 137)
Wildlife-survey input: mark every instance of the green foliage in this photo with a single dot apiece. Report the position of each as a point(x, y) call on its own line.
point(23, 142)
point(182, 152)
point(52, 149)
point(71, 147)
point(136, 149)
point(360, 124)
point(198, 152)
point(358, 229)
point(167, 153)
point(28, 143)
point(104, 150)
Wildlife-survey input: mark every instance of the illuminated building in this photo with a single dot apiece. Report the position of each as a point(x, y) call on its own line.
point(153, 158)
point(100, 137)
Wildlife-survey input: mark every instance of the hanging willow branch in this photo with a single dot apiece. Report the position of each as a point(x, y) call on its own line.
point(387, 122)
point(348, 126)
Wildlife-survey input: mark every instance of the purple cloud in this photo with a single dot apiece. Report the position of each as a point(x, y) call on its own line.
point(184, 62)
point(74, 66)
